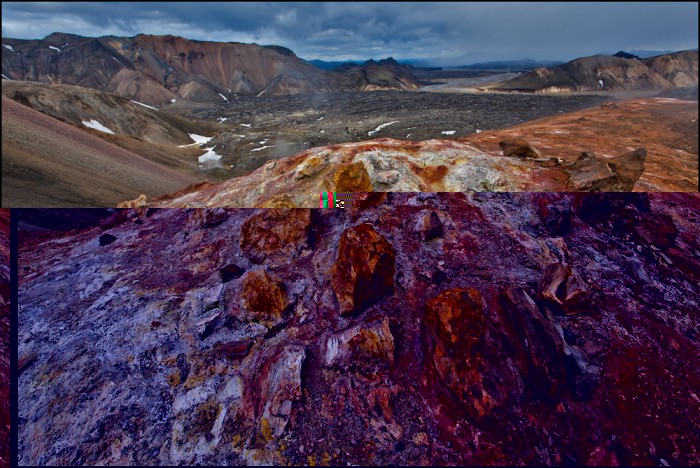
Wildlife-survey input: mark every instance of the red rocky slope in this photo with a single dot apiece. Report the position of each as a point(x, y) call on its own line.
point(415, 328)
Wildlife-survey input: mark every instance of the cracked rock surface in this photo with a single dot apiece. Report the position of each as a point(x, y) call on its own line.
point(412, 328)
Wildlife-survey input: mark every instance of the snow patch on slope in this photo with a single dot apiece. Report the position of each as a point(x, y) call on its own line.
point(372, 132)
point(97, 126)
point(8, 47)
point(261, 148)
point(142, 104)
point(210, 155)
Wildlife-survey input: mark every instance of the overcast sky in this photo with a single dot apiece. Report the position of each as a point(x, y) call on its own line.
point(443, 33)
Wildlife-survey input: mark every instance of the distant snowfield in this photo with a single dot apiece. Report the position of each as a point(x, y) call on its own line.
point(54, 48)
point(116, 60)
point(6, 77)
point(8, 47)
point(198, 140)
point(261, 148)
point(449, 132)
point(372, 132)
point(222, 119)
point(142, 104)
point(246, 125)
point(223, 97)
point(601, 83)
point(97, 126)
point(210, 155)
point(173, 101)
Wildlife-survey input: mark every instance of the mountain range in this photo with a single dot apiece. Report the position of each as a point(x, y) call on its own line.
point(611, 73)
point(160, 70)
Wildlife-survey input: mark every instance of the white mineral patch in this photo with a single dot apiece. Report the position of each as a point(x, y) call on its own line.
point(191, 398)
point(331, 350)
point(97, 126)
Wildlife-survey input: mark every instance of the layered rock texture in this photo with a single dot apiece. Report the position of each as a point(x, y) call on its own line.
point(612, 73)
point(4, 338)
point(159, 69)
point(408, 328)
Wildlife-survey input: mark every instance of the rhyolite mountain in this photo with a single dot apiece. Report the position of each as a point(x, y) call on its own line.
point(407, 329)
point(377, 75)
point(159, 69)
point(611, 73)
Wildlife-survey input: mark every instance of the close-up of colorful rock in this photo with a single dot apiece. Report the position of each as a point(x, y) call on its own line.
point(411, 328)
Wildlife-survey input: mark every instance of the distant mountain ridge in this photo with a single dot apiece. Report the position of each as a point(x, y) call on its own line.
point(611, 73)
point(521, 64)
point(160, 69)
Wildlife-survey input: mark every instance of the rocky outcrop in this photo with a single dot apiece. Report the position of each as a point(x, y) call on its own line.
point(212, 358)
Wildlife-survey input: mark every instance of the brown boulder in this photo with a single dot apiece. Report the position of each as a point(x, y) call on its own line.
point(519, 148)
point(629, 167)
point(562, 288)
point(352, 178)
point(276, 234)
point(364, 270)
point(263, 295)
point(590, 173)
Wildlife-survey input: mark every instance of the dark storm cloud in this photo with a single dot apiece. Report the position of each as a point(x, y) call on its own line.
point(440, 32)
